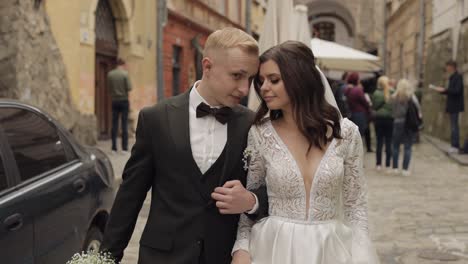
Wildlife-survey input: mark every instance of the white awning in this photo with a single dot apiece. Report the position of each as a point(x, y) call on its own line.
point(333, 56)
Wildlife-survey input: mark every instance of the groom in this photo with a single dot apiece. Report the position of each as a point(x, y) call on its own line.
point(186, 147)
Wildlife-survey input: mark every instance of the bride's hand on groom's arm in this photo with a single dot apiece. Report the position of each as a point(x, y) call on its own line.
point(241, 257)
point(233, 198)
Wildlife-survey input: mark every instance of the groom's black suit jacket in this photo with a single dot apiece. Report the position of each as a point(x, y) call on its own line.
point(184, 225)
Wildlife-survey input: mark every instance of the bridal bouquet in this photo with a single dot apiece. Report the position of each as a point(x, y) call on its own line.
point(91, 257)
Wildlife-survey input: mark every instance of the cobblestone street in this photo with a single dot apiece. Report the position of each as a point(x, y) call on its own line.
point(423, 214)
point(414, 220)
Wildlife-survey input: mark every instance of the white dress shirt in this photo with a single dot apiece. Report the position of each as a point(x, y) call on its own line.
point(207, 136)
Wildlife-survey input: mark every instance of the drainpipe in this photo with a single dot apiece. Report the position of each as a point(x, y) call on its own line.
point(385, 24)
point(161, 22)
point(422, 30)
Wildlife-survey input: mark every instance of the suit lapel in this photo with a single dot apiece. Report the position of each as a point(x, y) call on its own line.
point(179, 123)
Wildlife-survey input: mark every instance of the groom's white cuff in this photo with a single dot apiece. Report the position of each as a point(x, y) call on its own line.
point(255, 208)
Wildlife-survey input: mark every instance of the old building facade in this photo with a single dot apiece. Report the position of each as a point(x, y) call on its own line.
point(404, 49)
point(353, 23)
point(188, 25)
point(445, 36)
point(105, 30)
point(60, 52)
point(449, 40)
point(67, 48)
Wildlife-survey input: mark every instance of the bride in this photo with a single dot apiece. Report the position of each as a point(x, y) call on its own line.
point(310, 160)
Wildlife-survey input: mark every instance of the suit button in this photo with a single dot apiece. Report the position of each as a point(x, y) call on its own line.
point(199, 242)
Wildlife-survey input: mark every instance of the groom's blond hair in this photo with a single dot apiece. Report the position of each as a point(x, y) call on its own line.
point(228, 38)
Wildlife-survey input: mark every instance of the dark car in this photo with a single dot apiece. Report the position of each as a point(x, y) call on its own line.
point(55, 194)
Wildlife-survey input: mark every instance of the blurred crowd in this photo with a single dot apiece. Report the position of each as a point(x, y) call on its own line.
point(393, 108)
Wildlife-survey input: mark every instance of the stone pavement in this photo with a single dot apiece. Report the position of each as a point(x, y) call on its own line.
point(422, 215)
point(419, 219)
point(444, 146)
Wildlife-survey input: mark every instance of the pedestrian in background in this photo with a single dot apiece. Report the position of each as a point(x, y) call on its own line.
point(119, 86)
point(357, 102)
point(383, 121)
point(338, 89)
point(400, 100)
point(369, 85)
point(455, 102)
point(370, 119)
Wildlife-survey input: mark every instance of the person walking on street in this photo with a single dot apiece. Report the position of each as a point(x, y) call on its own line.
point(369, 85)
point(370, 119)
point(455, 102)
point(357, 102)
point(338, 92)
point(400, 100)
point(383, 121)
point(119, 86)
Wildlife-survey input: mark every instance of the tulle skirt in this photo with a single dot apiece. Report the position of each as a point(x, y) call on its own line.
point(276, 240)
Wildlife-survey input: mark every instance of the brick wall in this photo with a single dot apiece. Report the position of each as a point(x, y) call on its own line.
point(180, 33)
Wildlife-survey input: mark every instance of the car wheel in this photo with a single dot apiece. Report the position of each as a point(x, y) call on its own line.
point(93, 239)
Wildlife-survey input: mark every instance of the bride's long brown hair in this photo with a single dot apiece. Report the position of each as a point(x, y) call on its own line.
point(312, 113)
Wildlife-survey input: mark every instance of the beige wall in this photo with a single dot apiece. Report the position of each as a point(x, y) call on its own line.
point(73, 25)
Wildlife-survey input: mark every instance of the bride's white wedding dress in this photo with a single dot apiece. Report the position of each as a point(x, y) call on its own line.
point(335, 228)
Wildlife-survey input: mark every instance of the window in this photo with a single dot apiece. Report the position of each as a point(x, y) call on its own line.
point(324, 30)
point(3, 180)
point(35, 143)
point(176, 65)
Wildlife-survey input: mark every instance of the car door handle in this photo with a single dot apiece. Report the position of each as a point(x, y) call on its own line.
point(13, 222)
point(79, 185)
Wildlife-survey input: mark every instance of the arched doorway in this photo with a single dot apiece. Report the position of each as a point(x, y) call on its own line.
point(106, 54)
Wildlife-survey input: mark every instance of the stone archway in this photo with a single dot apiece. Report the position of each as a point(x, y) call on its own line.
point(333, 12)
point(111, 29)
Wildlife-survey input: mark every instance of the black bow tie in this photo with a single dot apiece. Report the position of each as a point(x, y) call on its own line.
point(222, 114)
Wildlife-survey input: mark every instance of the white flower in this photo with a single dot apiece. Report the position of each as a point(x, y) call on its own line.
point(246, 158)
point(91, 257)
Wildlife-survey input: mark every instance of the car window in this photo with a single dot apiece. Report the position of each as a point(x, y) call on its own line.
point(3, 180)
point(34, 141)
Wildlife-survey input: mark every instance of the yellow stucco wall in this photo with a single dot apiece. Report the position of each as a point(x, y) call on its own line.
point(69, 44)
point(73, 25)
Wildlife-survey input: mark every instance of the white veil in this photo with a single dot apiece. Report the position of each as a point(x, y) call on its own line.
point(329, 97)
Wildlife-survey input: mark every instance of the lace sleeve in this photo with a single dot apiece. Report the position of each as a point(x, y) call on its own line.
point(255, 179)
point(354, 185)
point(355, 202)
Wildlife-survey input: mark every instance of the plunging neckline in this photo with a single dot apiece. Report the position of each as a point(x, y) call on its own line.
point(298, 173)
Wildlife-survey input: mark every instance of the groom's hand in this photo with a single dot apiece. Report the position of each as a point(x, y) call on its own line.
point(233, 198)
point(241, 257)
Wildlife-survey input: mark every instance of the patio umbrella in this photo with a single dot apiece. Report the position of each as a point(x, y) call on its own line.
point(301, 24)
point(280, 25)
point(333, 56)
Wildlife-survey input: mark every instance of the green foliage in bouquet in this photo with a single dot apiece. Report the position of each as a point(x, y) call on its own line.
point(91, 257)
